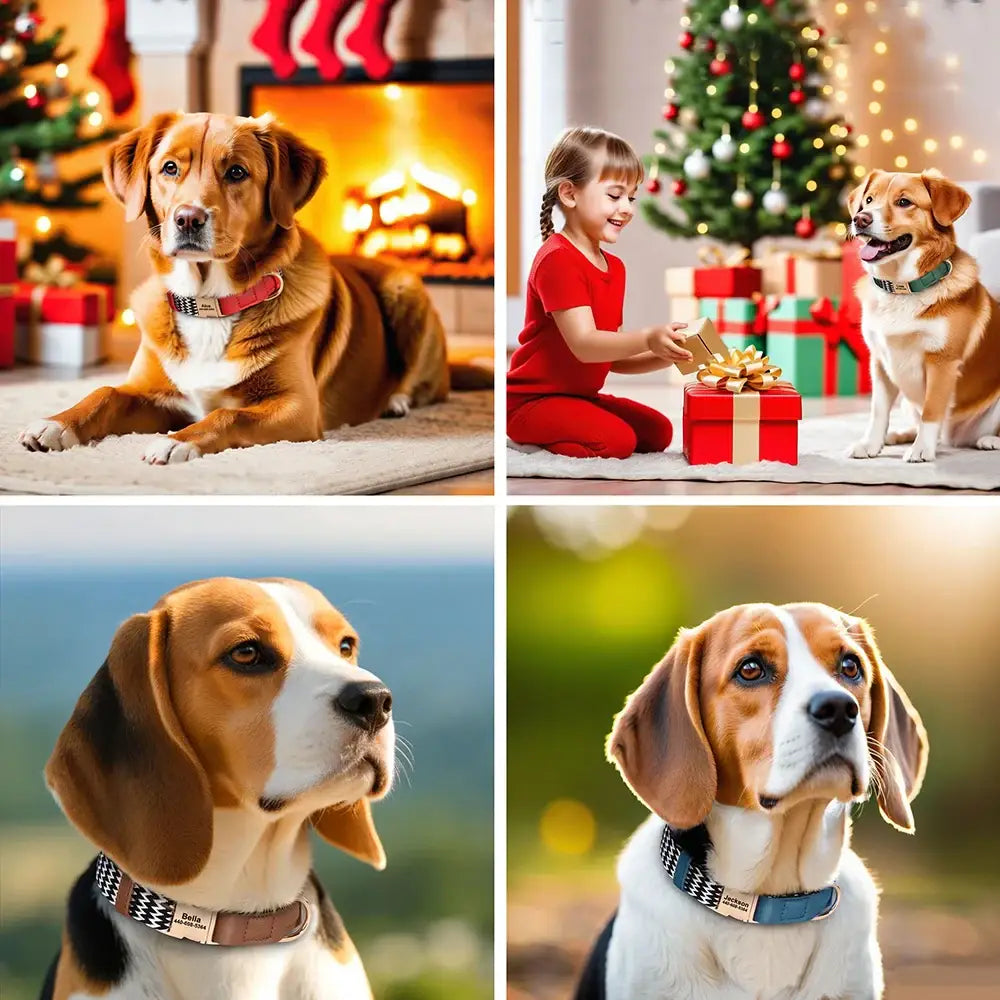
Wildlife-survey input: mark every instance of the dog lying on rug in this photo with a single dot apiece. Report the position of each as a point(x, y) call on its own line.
point(748, 743)
point(251, 334)
point(933, 329)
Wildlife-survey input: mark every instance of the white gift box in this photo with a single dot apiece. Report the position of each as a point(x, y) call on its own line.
point(68, 345)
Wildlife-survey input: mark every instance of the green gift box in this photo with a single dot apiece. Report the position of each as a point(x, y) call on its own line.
point(737, 320)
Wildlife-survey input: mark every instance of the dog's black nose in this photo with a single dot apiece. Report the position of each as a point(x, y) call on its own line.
point(366, 703)
point(190, 218)
point(836, 711)
point(862, 220)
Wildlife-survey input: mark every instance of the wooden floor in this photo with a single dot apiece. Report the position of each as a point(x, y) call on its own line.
point(669, 399)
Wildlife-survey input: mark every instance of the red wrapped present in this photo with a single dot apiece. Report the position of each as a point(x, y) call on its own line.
point(79, 303)
point(851, 272)
point(725, 276)
point(739, 412)
point(6, 326)
point(8, 252)
point(847, 368)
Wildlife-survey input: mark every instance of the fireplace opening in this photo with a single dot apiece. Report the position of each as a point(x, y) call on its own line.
point(409, 161)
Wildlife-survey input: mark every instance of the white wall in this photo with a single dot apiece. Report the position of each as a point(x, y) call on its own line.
point(614, 54)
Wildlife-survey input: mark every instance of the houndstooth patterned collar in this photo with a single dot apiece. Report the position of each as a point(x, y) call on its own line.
point(691, 878)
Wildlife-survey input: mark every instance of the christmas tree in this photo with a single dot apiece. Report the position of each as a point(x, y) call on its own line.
point(41, 116)
point(751, 148)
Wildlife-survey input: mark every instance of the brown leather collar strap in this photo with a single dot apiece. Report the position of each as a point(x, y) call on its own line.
point(269, 287)
point(192, 923)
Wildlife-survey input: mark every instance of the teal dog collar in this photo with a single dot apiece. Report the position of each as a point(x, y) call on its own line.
point(693, 880)
point(922, 283)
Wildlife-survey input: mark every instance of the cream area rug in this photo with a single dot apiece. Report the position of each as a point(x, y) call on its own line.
point(433, 442)
point(823, 444)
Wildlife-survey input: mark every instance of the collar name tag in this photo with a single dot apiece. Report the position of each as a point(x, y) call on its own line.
point(739, 905)
point(192, 924)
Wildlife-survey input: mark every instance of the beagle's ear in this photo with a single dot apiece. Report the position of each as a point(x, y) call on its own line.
point(897, 739)
point(126, 163)
point(658, 742)
point(854, 198)
point(948, 200)
point(124, 772)
point(294, 169)
point(352, 829)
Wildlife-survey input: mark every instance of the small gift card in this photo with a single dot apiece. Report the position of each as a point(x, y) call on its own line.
point(703, 341)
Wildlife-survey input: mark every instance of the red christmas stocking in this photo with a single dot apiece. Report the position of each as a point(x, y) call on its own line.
point(319, 40)
point(110, 66)
point(367, 40)
point(271, 36)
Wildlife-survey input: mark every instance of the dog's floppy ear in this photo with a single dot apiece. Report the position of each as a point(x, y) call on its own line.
point(351, 828)
point(948, 200)
point(124, 772)
point(658, 742)
point(294, 169)
point(126, 163)
point(854, 198)
point(897, 740)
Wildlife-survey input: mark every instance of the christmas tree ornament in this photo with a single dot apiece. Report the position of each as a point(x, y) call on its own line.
point(34, 97)
point(653, 186)
point(768, 3)
point(815, 80)
point(797, 96)
point(732, 18)
point(686, 40)
point(688, 118)
point(814, 108)
point(720, 65)
point(797, 72)
point(752, 119)
point(724, 149)
point(742, 198)
point(26, 25)
point(780, 148)
point(679, 187)
point(709, 45)
point(775, 201)
point(805, 228)
point(670, 112)
point(12, 53)
point(57, 89)
point(697, 165)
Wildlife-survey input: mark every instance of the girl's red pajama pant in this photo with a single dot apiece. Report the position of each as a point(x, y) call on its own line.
point(594, 427)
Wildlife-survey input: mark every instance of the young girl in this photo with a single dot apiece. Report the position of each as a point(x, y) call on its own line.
point(572, 336)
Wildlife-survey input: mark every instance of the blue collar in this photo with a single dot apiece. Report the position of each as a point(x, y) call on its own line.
point(692, 879)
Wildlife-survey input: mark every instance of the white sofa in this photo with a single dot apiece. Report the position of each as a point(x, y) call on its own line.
point(978, 231)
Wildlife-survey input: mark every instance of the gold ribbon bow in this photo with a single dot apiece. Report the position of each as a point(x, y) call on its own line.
point(741, 370)
point(714, 257)
point(52, 273)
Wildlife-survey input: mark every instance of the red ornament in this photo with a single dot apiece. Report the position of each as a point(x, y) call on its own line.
point(37, 100)
point(850, 128)
point(797, 71)
point(768, 3)
point(709, 45)
point(720, 67)
point(686, 40)
point(670, 112)
point(653, 186)
point(805, 228)
point(820, 31)
point(781, 150)
point(797, 96)
point(679, 186)
point(752, 120)
point(26, 25)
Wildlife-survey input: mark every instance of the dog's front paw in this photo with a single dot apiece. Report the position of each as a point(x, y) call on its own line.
point(398, 405)
point(991, 442)
point(169, 451)
point(47, 435)
point(865, 448)
point(920, 451)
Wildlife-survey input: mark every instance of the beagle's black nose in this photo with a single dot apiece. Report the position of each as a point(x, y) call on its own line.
point(365, 703)
point(835, 711)
point(190, 219)
point(862, 220)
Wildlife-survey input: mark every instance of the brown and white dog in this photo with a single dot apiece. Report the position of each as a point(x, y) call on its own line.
point(283, 343)
point(938, 346)
point(750, 741)
point(223, 725)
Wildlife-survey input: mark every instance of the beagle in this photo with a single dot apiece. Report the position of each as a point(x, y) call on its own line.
point(251, 334)
point(223, 725)
point(749, 742)
point(932, 328)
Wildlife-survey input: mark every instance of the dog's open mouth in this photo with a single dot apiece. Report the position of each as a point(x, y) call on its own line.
point(875, 249)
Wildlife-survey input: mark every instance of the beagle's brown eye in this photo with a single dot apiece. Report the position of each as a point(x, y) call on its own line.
point(850, 667)
point(246, 655)
point(169, 168)
point(904, 203)
point(348, 645)
point(237, 173)
point(751, 671)
point(251, 657)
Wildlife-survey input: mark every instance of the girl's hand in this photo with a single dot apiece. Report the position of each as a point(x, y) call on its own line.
point(667, 342)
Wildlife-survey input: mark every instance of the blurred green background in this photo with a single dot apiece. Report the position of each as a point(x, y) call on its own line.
point(595, 597)
point(417, 583)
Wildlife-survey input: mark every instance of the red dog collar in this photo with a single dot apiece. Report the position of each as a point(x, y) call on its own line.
point(269, 287)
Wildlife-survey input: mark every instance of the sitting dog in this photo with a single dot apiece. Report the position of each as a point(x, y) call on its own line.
point(223, 725)
point(933, 329)
point(749, 742)
point(250, 333)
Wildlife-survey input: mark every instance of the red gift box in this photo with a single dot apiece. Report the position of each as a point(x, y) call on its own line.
point(6, 326)
point(726, 282)
point(79, 304)
point(851, 271)
point(724, 426)
point(850, 334)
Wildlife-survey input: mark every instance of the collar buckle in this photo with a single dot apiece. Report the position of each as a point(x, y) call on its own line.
point(281, 285)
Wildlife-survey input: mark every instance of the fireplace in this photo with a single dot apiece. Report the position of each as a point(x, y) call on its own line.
point(409, 159)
